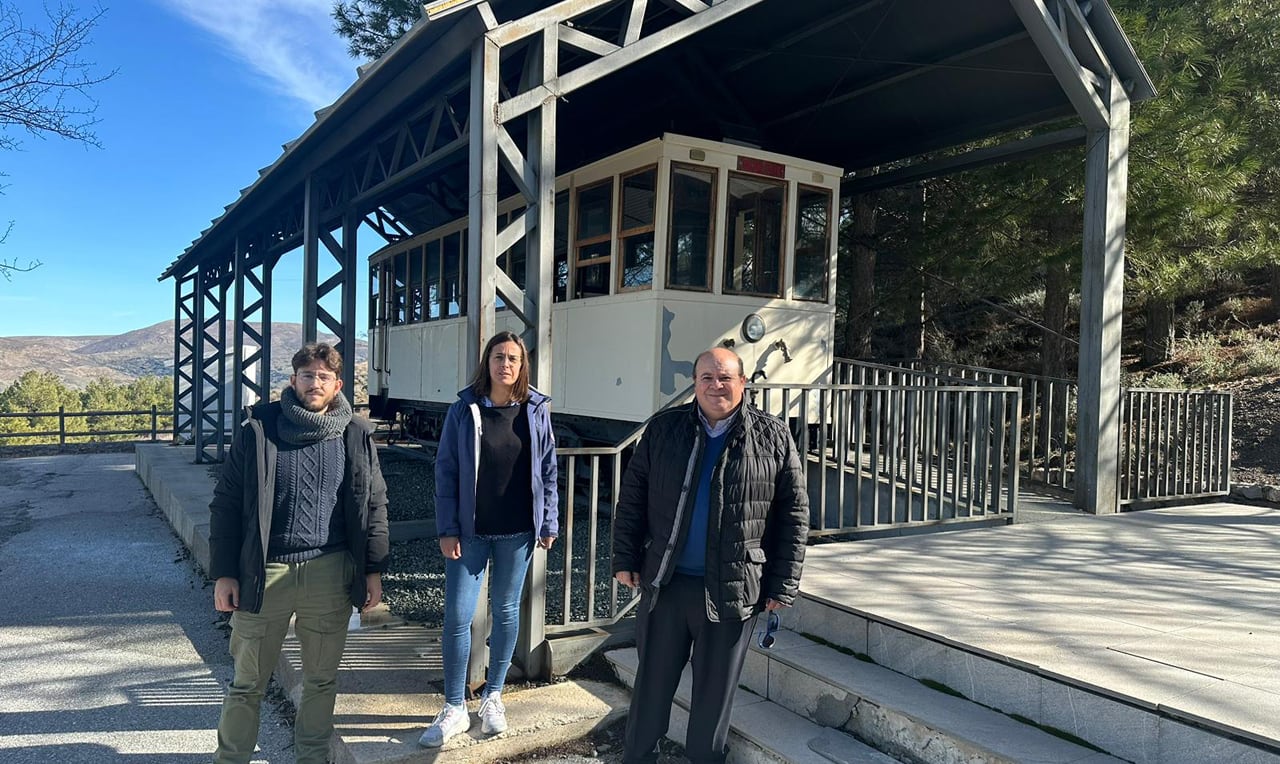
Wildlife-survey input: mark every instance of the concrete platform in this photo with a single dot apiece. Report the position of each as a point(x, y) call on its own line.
point(391, 671)
point(1153, 635)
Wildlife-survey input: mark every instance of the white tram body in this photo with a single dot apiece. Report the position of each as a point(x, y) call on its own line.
point(661, 251)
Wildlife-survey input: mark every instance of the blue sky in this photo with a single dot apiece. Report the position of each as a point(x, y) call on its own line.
point(205, 94)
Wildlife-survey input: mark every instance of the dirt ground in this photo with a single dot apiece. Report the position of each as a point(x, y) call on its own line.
point(1255, 423)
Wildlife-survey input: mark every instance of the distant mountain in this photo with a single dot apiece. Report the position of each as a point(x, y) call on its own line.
point(139, 353)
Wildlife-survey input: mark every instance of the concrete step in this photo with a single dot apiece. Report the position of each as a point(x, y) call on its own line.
point(895, 713)
point(1125, 726)
point(761, 732)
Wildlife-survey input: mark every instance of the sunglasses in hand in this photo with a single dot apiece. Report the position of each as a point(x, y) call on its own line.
point(767, 637)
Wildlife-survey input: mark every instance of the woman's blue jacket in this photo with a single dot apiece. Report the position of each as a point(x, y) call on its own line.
point(456, 467)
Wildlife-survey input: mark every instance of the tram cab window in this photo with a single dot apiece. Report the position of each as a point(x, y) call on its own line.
point(635, 229)
point(561, 290)
point(432, 288)
point(593, 243)
point(376, 302)
point(753, 241)
point(400, 285)
point(416, 294)
point(692, 216)
point(813, 239)
point(452, 284)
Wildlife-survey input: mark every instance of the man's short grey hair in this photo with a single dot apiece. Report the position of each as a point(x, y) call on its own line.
point(742, 369)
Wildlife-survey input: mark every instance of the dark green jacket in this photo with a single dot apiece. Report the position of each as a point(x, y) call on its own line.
point(240, 513)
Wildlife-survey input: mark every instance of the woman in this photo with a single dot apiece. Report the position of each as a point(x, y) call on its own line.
point(496, 497)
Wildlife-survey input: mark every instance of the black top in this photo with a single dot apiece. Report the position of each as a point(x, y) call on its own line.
point(504, 483)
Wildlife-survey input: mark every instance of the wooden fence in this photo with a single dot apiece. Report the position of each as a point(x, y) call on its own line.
point(61, 435)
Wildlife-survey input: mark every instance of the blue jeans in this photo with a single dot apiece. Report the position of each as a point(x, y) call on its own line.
point(462, 580)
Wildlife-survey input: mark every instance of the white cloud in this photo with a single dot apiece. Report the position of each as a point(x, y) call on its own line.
point(289, 42)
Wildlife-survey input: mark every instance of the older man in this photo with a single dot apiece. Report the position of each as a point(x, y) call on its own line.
point(711, 524)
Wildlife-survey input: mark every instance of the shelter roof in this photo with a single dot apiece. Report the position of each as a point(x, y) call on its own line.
point(852, 83)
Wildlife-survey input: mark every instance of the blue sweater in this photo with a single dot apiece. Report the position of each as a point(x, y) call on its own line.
point(693, 555)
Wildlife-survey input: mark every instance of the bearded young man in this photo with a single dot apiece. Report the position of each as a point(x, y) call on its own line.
point(298, 526)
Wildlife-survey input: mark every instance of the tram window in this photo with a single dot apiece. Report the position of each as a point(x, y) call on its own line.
point(451, 299)
point(593, 242)
point(753, 245)
point(415, 285)
point(635, 228)
point(432, 288)
point(375, 304)
point(813, 231)
point(462, 275)
point(400, 285)
point(692, 216)
point(561, 290)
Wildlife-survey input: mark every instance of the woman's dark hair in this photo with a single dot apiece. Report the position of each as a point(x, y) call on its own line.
point(480, 382)
point(318, 351)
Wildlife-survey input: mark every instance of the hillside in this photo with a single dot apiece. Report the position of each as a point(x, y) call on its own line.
point(124, 357)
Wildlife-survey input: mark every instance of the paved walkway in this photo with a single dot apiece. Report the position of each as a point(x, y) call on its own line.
point(108, 637)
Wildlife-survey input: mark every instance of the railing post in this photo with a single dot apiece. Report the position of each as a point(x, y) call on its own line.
point(155, 418)
point(62, 426)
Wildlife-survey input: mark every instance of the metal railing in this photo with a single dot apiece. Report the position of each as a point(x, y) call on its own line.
point(879, 456)
point(581, 590)
point(1174, 444)
point(62, 434)
point(917, 453)
point(1049, 418)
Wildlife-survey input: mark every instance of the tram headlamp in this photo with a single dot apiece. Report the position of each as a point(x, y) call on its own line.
point(753, 328)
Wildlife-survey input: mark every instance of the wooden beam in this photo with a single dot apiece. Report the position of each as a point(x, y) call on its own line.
point(1062, 62)
point(1023, 148)
point(912, 72)
point(482, 252)
point(584, 42)
point(590, 72)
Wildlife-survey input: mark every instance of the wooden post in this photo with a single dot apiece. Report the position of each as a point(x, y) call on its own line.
point(62, 426)
point(1101, 309)
point(482, 262)
point(531, 645)
point(155, 419)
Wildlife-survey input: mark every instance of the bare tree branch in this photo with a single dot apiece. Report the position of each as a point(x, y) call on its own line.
point(44, 81)
point(10, 267)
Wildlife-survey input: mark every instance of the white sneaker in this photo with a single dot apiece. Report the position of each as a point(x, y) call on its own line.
point(450, 721)
point(493, 716)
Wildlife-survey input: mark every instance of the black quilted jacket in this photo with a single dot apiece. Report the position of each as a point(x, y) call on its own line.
point(759, 517)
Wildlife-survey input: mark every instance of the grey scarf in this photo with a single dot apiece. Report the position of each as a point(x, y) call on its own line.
point(302, 427)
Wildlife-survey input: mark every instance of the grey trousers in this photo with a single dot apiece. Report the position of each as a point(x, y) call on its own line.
point(664, 635)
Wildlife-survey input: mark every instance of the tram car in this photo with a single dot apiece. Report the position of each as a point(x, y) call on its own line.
point(662, 251)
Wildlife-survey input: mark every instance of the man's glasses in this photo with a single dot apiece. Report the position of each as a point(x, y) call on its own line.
point(771, 625)
point(322, 377)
